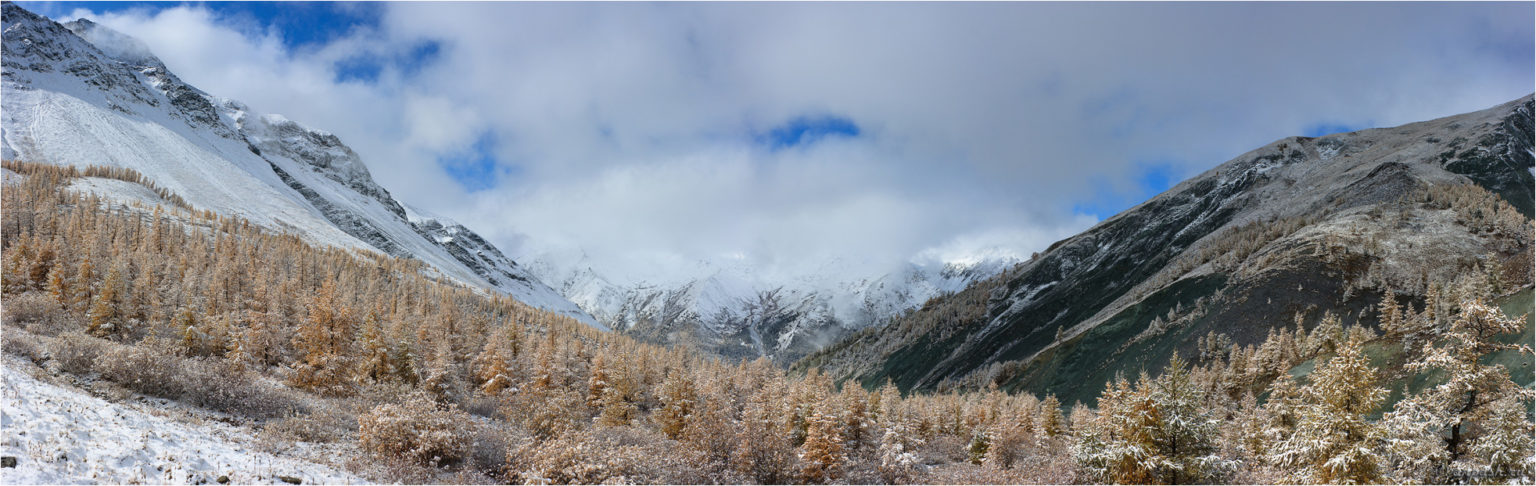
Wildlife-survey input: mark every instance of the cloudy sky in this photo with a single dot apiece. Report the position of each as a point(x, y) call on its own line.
point(652, 136)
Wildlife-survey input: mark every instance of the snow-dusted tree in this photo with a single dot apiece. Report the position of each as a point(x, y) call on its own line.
point(1052, 423)
point(1505, 448)
point(899, 439)
point(1391, 315)
point(678, 400)
point(1333, 441)
point(105, 306)
point(1242, 431)
point(1472, 407)
point(764, 452)
point(616, 406)
point(1413, 446)
point(59, 286)
point(709, 425)
point(374, 363)
point(854, 402)
point(1158, 432)
point(85, 275)
point(324, 340)
point(823, 454)
point(598, 381)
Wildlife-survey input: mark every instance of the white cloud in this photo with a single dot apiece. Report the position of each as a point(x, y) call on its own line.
point(982, 124)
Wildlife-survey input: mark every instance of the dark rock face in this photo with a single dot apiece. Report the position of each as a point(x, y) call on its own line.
point(473, 251)
point(1500, 160)
point(350, 222)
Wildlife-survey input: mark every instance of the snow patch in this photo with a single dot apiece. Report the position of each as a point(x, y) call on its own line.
point(65, 436)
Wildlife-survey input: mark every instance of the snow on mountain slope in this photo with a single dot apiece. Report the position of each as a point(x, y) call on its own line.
point(81, 94)
point(63, 435)
point(1301, 226)
point(733, 310)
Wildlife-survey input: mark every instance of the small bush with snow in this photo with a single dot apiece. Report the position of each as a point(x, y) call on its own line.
point(417, 430)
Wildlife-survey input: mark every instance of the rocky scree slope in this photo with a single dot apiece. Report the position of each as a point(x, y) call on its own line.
point(81, 94)
point(1300, 226)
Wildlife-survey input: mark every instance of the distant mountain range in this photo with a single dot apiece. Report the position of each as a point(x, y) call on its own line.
point(730, 312)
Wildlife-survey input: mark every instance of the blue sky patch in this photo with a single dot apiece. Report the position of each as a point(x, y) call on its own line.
point(367, 68)
point(1152, 178)
point(301, 24)
point(807, 130)
point(475, 169)
point(1321, 129)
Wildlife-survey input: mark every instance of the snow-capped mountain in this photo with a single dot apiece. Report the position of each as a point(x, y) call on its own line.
point(1301, 226)
point(81, 94)
point(734, 311)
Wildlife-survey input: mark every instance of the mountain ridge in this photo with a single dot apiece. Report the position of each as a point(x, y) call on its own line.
point(1102, 285)
point(72, 101)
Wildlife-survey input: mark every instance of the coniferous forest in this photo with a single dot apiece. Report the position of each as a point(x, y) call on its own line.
point(420, 380)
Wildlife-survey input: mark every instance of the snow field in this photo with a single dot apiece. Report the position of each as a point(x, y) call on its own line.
point(66, 436)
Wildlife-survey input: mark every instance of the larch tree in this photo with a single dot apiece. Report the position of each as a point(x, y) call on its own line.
point(105, 307)
point(764, 451)
point(823, 454)
point(1334, 442)
point(679, 398)
point(1157, 432)
point(899, 440)
point(323, 340)
point(1470, 411)
point(1052, 423)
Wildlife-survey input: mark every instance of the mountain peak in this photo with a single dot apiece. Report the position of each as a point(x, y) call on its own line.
point(116, 45)
point(83, 94)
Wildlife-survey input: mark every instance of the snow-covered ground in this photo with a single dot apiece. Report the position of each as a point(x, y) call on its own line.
point(61, 435)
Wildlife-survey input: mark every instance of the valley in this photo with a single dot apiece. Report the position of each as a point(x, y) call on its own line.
point(196, 291)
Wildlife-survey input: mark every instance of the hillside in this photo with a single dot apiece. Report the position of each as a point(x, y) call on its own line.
point(80, 94)
point(1302, 226)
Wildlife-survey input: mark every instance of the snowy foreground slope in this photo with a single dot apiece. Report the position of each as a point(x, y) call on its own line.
point(62, 435)
point(81, 94)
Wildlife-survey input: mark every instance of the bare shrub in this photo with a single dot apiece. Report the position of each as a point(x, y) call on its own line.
point(488, 448)
point(38, 313)
point(943, 449)
point(417, 431)
point(144, 368)
point(624, 455)
point(322, 424)
point(217, 385)
point(76, 353)
point(28, 308)
point(24, 344)
point(967, 473)
point(482, 406)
